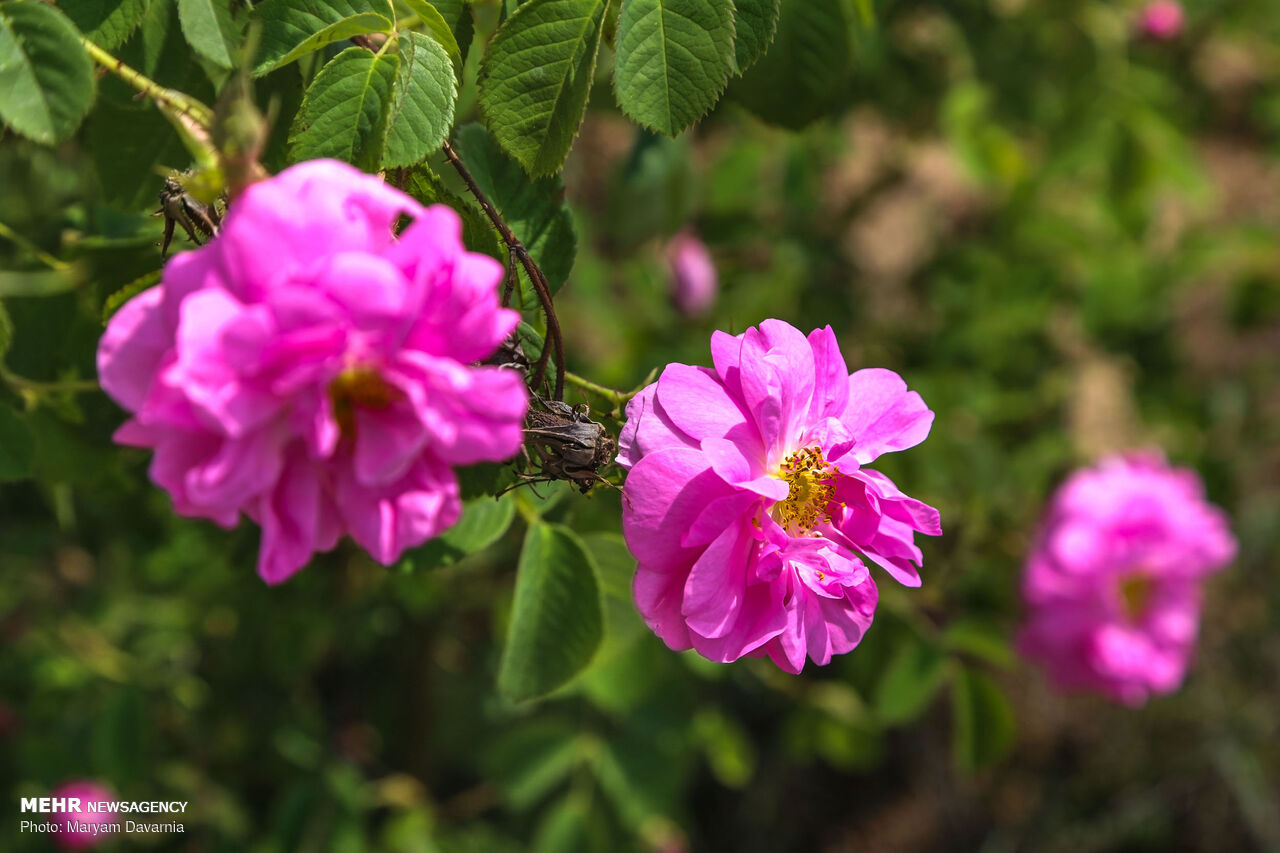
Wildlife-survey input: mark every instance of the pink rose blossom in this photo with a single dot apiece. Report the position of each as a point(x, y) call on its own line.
point(1161, 20)
point(311, 370)
point(1112, 586)
point(693, 274)
point(76, 828)
point(747, 505)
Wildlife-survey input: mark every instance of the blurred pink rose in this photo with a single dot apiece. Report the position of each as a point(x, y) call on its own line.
point(1112, 586)
point(76, 828)
point(694, 283)
point(313, 371)
point(1161, 20)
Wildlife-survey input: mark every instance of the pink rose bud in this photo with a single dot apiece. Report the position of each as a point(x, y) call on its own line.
point(751, 505)
point(76, 828)
point(693, 275)
point(1113, 584)
point(312, 369)
point(1161, 20)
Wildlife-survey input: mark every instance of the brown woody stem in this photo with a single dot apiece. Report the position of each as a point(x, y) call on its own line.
point(536, 277)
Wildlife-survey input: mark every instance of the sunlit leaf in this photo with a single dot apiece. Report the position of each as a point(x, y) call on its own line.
point(555, 615)
point(106, 23)
point(294, 28)
point(421, 102)
point(46, 78)
point(344, 113)
point(673, 60)
point(212, 29)
point(535, 78)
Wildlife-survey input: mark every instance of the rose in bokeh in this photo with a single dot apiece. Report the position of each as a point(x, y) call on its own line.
point(747, 505)
point(693, 281)
point(76, 829)
point(1113, 585)
point(311, 370)
point(1161, 20)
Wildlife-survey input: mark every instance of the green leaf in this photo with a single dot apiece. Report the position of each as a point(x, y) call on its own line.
point(980, 639)
point(477, 232)
point(211, 29)
point(294, 28)
point(440, 30)
point(640, 774)
point(615, 569)
point(806, 69)
point(46, 78)
point(913, 677)
point(17, 445)
point(566, 828)
point(530, 760)
point(106, 23)
point(458, 15)
point(483, 522)
point(674, 58)
point(536, 76)
point(728, 748)
point(6, 332)
point(754, 23)
point(535, 210)
point(421, 102)
point(983, 720)
point(117, 300)
point(555, 615)
point(344, 113)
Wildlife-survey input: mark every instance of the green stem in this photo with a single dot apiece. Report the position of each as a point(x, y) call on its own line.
point(35, 386)
point(42, 256)
point(615, 397)
point(167, 99)
point(618, 398)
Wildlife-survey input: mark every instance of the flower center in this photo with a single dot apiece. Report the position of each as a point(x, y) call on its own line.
point(812, 486)
point(358, 386)
point(1135, 594)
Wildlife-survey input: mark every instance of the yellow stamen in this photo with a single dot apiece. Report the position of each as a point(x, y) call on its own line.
point(358, 386)
point(1135, 594)
point(812, 487)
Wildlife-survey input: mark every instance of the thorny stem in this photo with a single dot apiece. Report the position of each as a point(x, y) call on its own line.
point(539, 281)
point(174, 102)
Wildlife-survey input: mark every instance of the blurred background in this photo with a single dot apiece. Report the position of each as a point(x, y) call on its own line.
point(1057, 219)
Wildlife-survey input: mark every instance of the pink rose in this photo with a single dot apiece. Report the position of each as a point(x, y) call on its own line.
point(748, 506)
point(313, 371)
point(1112, 586)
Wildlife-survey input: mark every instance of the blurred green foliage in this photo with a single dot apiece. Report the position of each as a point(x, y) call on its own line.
point(1063, 235)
